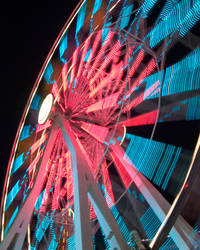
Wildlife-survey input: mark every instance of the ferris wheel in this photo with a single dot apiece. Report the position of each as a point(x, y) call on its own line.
point(107, 151)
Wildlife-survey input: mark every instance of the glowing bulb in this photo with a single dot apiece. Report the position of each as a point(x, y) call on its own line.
point(45, 109)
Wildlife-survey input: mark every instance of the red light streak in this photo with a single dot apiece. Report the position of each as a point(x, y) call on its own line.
point(38, 143)
point(107, 183)
point(98, 132)
point(137, 63)
point(99, 57)
point(152, 89)
point(106, 103)
point(140, 120)
point(146, 72)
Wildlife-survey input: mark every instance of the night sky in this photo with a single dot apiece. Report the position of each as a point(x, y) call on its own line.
point(28, 31)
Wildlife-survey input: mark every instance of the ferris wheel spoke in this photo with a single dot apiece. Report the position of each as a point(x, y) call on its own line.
point(98, 132)
point(38, 143)
point(138, 60)
point(103, 65)
point(99, 56)
point(106, 103)
point(83, 56)
point(108, 186)
point(156, 201)
point(89, 188)
point(151, 66)
point(73, 69)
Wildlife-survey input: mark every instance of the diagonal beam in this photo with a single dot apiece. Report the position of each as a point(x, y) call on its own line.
point(18, 230)
point(181, 231)
point(84, 186)
point(179, 201)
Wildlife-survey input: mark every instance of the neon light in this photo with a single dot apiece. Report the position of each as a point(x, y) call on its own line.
point(153, 158)
point(146, 7)
point(140, 120)
point(12, 194)
point(108, 187)
point(106, 31)
point(53, 244)
point(122, 172)
point(17, 163)
point(109, 57)
point(126, 14)
point(134, 103)
point(34, 162)
point(56, 92)
point(190, 19)
point(25, 132)
point(169, 153)
point(106, 103)
point(35, 102)
point(71, 242)
point(97, 6)
point(193, 109)
point(38, 143)
point(41, 127)
point(151, 223)
point(136, 64)
point(73, 66)
point(62, 48)
point(172, 167)
point(94, 48)
point(181, 18)
point(98, 132)
point(48, 73)
point(146, 72)
point(87, 55)
point(42, 228)
point(181, 77)
point(11, 220)
point(80, 20)
point(39, 201)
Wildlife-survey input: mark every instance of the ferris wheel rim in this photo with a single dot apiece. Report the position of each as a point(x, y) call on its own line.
point(31, 98)
point(27, 107)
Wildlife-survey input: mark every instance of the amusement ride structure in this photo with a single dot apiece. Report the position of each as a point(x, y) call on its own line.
point(107, 151)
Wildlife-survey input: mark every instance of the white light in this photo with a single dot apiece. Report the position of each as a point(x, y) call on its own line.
point(45, 109)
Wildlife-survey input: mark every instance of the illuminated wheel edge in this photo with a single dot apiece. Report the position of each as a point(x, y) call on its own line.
point(26, 110)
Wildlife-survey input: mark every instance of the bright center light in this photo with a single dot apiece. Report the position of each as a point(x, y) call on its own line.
point(45, 109)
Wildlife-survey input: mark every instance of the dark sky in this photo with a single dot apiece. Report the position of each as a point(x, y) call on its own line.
point(28, 31)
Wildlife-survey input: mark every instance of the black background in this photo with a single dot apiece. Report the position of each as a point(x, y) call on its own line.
point(28, 31)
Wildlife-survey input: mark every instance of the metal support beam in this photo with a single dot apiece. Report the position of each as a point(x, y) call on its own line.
point(179, 201)
point(85, 186)
point(181, 231)
point(16, 234)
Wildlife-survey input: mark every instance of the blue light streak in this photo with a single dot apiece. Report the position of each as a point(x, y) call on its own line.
point(62, 48)
point(25, 132)
point(17, 163)
point(11, 220)
point(97, 6)
point(153, 159)
point(181, 18)
point(48, 73)
point(12, 194)
point(126, 14)
point(80, 21)
point(35, 102)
